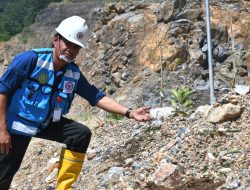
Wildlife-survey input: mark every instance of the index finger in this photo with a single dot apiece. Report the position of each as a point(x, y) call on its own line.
point(146, 108)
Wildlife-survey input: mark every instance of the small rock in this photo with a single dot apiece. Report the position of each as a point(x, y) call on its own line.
point(113, 175)
point(158, 113)
point(221, 131)
point(91, 154)
point(210, 156)
point(242, 89)
point(225, 170)
point(200, 112)
point(129, 161)
point(167, 174)
point(224, 113)
point(53, 160)
point(52, 176)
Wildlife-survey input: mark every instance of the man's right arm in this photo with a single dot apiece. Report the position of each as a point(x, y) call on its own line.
point(18, 70)
point(5, 138)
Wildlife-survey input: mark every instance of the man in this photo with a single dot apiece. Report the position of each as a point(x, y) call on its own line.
point(37, 90)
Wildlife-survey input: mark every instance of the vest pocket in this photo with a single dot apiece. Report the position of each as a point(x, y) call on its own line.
point(30, 93)
point(34, 104)
point(42, 99)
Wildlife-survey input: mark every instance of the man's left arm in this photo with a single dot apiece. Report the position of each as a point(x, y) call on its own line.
point(110, 105)
point(99, 99)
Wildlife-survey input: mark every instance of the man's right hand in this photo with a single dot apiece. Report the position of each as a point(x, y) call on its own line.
point(5, 141)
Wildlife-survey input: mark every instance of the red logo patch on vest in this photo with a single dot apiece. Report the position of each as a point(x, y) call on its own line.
point(68, 86)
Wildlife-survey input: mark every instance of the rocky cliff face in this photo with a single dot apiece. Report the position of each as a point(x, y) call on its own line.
point(138, 51)
point(171, 35)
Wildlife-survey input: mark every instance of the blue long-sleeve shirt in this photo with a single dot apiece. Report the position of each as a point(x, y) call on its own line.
point(23, 65)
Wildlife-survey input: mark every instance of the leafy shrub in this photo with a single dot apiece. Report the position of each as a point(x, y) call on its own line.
point(181, 96)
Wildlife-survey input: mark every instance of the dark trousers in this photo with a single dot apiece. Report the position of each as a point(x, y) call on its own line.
point(75, 135)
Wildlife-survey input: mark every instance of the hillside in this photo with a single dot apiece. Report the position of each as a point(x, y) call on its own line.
point(138, 52)
point(15, 15)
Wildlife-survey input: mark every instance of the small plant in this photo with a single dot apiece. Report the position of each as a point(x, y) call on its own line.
point(237, 54)
point(181, 96)
point(204, 169)
point(208, 133)
point(177, 61)
point(112, 118)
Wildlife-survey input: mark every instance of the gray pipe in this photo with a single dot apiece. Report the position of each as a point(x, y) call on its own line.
point(210, 57)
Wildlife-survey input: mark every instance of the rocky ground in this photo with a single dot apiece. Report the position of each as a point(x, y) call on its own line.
point(169, 152)
point(138, 52)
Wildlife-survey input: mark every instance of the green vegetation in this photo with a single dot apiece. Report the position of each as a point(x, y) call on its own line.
point(205, 168)
point(113, 117)
point(209, 133)
point(17, 14)
point(182, 97)
point(177, 61)
point(181, 100)
point(234, 152)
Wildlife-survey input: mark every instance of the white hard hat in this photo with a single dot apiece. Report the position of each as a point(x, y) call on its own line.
point(74, 29)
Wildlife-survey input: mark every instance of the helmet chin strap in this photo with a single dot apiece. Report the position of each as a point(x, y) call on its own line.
point(61, 56)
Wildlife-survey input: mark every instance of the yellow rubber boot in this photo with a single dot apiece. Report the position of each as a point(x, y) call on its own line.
point(69, 168)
